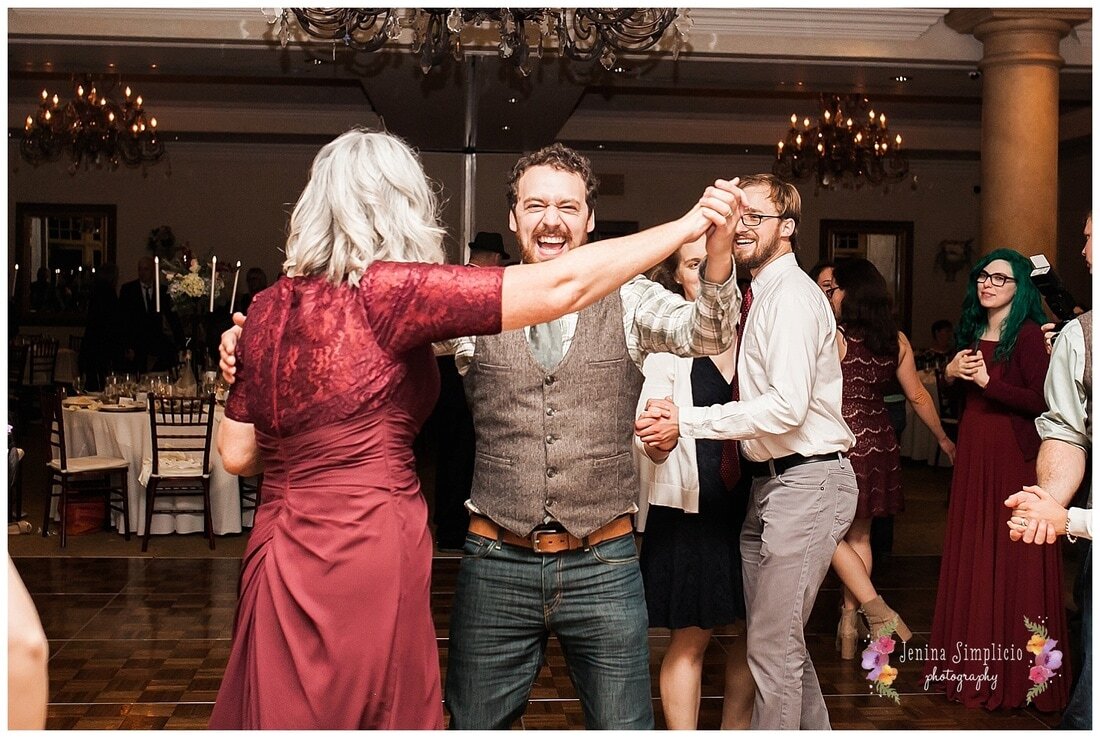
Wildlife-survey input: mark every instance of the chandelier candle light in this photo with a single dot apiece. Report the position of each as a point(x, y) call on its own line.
point(850, 143)
point(92, 128)
point(581, 34)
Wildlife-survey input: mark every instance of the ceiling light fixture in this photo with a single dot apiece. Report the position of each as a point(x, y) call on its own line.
point(92, 128)
point(581, 34)
point(848, 144)
point(901, 78)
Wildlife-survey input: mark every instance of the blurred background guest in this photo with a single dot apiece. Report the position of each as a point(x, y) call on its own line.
point(145, 344)
point(44, 292)
point(988, 585)
point(256, 279)
point(874, 356)
point(941, 351)
point(101, 347)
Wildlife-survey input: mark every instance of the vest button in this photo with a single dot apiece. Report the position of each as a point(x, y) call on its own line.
point(550, 439)
point(549, 380)
point(549, 411)
point(551, 472)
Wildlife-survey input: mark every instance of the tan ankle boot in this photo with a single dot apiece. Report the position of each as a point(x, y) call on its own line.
point(879, 615)
point(847, 633)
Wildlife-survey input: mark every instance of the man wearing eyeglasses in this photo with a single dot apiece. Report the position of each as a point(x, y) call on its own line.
point(793, 439)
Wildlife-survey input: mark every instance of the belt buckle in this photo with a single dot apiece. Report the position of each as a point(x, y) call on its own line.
point(535, 540)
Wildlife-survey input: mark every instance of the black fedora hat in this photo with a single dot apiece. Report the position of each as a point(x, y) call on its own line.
point(485, 241)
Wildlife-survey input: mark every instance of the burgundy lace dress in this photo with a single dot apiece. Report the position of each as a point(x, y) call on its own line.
point(875, 456)
point(333, 626)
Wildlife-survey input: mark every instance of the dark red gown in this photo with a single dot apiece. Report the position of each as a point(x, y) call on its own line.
point(989, 583)
point(334, 627)
point(875, 456)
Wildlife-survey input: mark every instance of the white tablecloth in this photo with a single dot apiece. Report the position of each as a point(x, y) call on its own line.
point(127, 435)
point(917, 442)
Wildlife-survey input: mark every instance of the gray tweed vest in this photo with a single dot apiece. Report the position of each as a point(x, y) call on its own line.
point(555, 443)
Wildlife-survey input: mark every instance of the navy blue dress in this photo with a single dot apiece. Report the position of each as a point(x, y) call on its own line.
point(691, 562)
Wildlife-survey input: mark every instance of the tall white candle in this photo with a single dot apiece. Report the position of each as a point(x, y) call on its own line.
point(213, 280)
point(233, 297)
point(15, 279)
point(156, 277)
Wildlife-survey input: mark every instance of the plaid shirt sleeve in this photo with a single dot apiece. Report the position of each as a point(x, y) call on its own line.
point(658, 321)
point(462, 349)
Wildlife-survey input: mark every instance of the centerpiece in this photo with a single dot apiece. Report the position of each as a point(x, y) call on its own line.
point(192, 291)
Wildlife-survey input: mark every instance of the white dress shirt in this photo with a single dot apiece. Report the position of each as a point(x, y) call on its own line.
point(789, 374)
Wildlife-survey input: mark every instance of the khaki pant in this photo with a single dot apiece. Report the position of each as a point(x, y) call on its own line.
point(793, 525)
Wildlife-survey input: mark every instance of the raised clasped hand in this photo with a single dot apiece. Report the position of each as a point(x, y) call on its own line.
point(718, 209)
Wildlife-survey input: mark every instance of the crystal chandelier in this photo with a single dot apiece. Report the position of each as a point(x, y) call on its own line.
point(92, 129)
point(581, 34)
point(848, 144)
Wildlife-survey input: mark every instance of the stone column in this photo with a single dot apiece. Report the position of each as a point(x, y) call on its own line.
point(1019, 166)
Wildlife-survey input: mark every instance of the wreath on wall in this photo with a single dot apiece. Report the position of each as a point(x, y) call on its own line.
point(954, 255)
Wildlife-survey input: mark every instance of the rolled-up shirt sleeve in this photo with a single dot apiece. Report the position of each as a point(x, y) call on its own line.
point(1079, 522)
point(659, 321)
point(1066, 418)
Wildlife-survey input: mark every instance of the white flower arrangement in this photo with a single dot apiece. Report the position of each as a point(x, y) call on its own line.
point(187, 288)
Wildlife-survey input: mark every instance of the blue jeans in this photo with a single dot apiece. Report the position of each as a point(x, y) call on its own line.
point(1078, 713)
point(507, 602)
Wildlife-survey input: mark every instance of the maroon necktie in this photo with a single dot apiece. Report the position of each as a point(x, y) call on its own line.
point(730, 466)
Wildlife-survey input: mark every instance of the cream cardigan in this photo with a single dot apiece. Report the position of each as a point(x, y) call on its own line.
point(675, 481)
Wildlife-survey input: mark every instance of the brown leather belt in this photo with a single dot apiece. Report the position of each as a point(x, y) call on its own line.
point(551, 541)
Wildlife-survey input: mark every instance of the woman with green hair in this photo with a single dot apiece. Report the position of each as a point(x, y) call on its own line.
point(988, 586)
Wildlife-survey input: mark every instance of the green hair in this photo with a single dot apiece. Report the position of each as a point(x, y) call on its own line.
point(1026, 305)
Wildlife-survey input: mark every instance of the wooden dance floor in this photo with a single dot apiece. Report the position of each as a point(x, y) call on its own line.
point(140, 642)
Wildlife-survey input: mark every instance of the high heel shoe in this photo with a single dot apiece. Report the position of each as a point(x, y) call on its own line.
point(879, 615)
point(847, 633)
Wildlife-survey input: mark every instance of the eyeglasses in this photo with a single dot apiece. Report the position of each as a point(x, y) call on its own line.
point(752, 220)
point(997, 279)
point(829, 292)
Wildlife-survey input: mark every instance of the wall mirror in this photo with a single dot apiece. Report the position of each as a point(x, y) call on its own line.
point(886, 244)
point(58, 249)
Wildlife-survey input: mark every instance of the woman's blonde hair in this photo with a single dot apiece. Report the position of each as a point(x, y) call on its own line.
point(367, 199)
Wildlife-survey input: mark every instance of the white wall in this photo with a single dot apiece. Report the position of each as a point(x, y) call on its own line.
point(662, 186)
point(234, 199)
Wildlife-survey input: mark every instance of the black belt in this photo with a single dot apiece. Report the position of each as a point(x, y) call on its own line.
point(775, 467)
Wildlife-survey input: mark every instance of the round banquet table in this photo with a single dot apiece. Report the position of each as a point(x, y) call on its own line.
point(127, 435)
